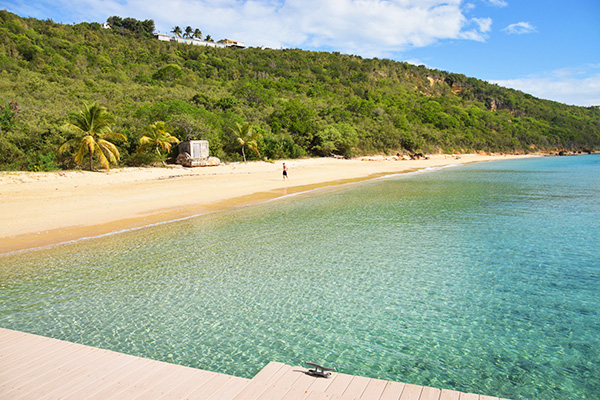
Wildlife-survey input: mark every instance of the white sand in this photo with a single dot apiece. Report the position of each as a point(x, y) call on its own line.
point(38, 209)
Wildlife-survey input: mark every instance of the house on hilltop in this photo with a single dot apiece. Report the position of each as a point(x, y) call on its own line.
point(163, 37)
point(233, 43)
point(198, 42)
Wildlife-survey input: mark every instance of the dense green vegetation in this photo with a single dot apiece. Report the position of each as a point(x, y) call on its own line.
point(298, 102)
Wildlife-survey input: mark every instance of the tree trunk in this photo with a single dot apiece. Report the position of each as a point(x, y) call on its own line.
point(243, 153)
point(163, 163)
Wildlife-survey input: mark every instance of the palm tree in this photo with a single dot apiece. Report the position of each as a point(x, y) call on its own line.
point(208, 38)
point(188, 31)
point(92, 127)
point(245, 137)
point(157, 137)
point(198, 33)
point(177, 31)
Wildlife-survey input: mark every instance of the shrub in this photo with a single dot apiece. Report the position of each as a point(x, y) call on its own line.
point(168, 73)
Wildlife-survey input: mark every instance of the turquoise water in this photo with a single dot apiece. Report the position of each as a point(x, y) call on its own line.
point(481, 278)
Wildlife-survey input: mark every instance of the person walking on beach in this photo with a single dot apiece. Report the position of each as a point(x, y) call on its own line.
point(285, 175)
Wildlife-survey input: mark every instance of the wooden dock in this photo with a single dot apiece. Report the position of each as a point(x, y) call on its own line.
point(35, 367)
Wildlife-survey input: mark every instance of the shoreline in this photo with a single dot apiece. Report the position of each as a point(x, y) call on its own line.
point(39, 210)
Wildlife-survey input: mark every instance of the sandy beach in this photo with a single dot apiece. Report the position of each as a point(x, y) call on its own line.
point(41, 209)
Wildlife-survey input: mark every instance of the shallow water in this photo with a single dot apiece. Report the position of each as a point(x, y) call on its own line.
point(482, 278)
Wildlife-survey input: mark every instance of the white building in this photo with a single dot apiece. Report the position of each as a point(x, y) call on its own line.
point(194, 41)
point(198, 42)
point(233, 43)
point(162, 37)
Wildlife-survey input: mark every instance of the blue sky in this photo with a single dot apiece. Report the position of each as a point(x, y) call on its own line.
point(550, 49)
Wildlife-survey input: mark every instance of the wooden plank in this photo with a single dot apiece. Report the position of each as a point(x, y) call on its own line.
point(175, 379)
point(15, 395)
point(374, 389)
point(188, 385)
point(429, 393)
point(280, 387)
point(319, 396)
point(92, 376)
point(132, 388)
point(357, 386)
point(411, 392)
point(449, 395)
point(210, 387)
point(263, 381)
point(392, 391)
point(469, 396)
point(8, 334)
point(32, 355)
point(111, 389)
point(10, 344)
point(339, 384)
point(60, 376)
point(301, 386)
point(271, 372)
point(28, 374)
point(15, 364)
point(231, 389)
point(159, 378)
point(253, 391)
point(8, 339)
point(482, 397)
point(22, 342)
point(321, 384)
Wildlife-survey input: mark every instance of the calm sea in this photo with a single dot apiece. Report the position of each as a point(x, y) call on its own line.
point(482, 278)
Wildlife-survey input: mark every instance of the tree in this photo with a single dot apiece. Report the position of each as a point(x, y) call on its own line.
point(245, 137)
point(8, 115)
point(197, 33)
point(188, 31)
point(177, 31)
point(168, 73)
point(92, 127)
point(115, 22)
point(209, 38)
point(341, 137)
point(296, 118)
point(140, 28)
point(148, 27)
point(157, 136)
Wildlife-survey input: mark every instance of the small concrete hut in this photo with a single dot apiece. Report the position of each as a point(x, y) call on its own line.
point(194, 153)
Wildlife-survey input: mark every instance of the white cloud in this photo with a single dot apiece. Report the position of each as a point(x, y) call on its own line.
point(417, 62)
point(485, 24)
point(351, 25)
point(498, 3)
point(520, 28)
point(479, 33)
point(574, 86)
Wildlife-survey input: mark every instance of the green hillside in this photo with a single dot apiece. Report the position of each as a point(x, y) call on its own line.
point(302, 103)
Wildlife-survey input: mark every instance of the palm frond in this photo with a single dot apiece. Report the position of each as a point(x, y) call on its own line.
point(92, 127)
